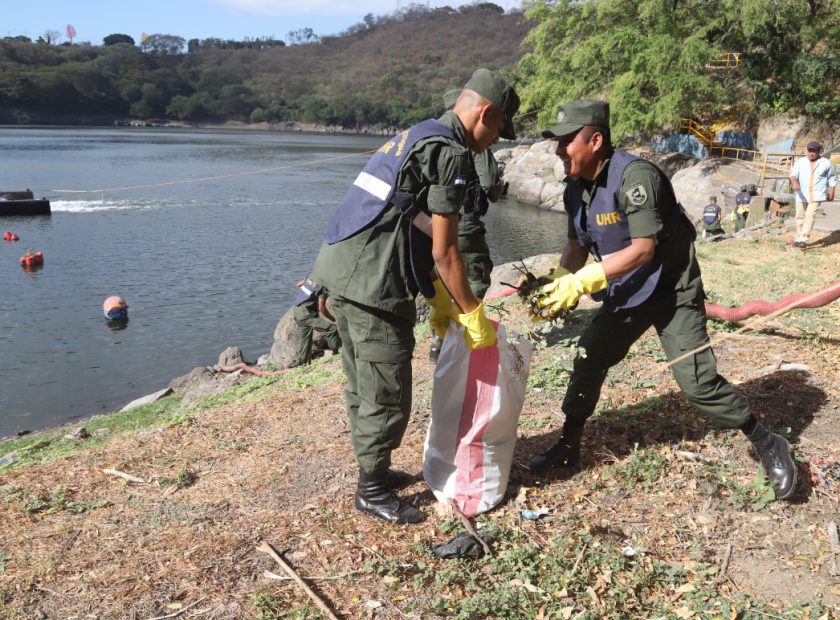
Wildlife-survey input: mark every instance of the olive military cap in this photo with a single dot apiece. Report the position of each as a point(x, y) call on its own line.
point(497, 91)
point(576, 114)
point(450, 97)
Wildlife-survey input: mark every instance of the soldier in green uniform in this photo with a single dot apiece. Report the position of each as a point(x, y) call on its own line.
point(472, 242)
point(397, 223)
point(309, 320)
point(623, 211)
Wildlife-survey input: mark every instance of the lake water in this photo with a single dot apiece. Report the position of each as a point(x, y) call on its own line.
point(203, 265)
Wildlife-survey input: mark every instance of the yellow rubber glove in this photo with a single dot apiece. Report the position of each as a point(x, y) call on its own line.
point(442, 308)
point(558, 273)
point(565, 292)
point(479, 331)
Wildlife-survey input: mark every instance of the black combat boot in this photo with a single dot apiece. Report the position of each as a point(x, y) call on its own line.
point(565, 453)
point(434, 348)
point(774, 453)
point(375, 497)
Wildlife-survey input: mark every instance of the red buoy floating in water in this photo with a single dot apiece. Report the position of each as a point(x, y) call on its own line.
point(115, 309)
point(10, 236)
point(31, 259)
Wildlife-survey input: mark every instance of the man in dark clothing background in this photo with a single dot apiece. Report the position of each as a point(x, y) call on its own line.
point(711, 218)
point(742, 208)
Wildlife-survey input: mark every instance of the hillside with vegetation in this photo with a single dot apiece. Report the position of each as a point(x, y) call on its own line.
point(390, 70)
point(656, 60)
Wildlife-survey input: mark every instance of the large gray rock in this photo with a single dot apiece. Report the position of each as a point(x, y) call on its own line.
point(149, 398)
point(231, 357)
point(671, 163)
point(534, 174)
point(775, 129)
point(204, 381)
point(714, 177)
point(287, 340)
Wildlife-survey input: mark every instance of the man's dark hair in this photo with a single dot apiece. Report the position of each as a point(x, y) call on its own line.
point(604, 131)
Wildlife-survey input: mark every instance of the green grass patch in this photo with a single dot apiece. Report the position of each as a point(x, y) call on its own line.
point(269, 605)
point(41, 501)
point(184, 479)
point(46, 446)
point(579, 574)
point(735, 273)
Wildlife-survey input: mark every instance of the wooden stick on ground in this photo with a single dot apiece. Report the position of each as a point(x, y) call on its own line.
point(835, 545)
point(724, 567)
point(267, 548)
point(180, 611)
point(123, 475)
point(470, 528)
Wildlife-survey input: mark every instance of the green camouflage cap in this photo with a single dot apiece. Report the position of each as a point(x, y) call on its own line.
point(579, 113)
point(497, 91)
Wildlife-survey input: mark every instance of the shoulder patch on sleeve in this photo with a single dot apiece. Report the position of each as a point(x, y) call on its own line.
point(637, 194)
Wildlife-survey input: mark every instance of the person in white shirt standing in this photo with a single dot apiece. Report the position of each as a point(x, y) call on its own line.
point(813, 179)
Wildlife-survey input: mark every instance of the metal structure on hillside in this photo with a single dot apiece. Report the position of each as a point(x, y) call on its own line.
point(725, 60)
point(770, 165)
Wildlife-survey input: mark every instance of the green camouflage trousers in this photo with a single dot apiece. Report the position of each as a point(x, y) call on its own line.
point(309, 322)
point(376, 355)
point(681, 329)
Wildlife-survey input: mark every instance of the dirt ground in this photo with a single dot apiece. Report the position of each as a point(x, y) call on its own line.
point(79, 543)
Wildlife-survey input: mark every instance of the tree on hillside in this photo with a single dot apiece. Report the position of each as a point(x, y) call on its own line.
point(649, 57)
point(163, 44)
point(302, 35)
point(50, 37)
point(114, 39)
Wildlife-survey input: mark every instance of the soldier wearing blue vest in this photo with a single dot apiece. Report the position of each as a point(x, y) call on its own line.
point(398, 223)
point(308, 298)
point(485, 188)
point(623, 211)
point(711, 218)
point(742, 208)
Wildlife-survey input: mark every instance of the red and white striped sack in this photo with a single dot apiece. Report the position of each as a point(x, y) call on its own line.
point(476, 401)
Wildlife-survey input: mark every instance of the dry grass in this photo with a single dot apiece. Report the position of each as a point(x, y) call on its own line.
point(76, 542)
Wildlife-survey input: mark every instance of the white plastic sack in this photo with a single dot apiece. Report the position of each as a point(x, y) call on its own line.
point(476, 401)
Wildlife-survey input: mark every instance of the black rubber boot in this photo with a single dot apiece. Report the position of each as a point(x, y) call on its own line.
point(434, 348)
point(565, 453)
point(375, 497)
point(774, 453)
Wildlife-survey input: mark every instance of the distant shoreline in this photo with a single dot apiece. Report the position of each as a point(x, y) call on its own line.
point(105, 122)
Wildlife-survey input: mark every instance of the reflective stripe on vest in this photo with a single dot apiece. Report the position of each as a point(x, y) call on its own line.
point(710, 213)
point(375, 186)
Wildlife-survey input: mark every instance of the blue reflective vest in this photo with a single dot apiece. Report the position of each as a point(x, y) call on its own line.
point(376, 187)
point(711, 213)
point(602, 229)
